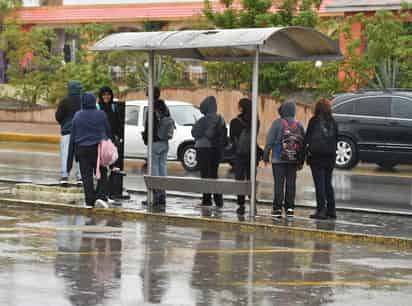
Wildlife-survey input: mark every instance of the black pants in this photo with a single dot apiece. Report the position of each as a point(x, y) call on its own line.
point(242, 172)
point(208, 159)
point(87, 156)
point(285, 185)
point(325, 196)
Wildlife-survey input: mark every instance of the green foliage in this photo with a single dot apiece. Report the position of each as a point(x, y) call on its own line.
point(46, 75)
point(273, 78)
point(386, 62)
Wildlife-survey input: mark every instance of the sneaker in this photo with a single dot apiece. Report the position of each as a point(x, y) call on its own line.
point(79, 183)
point(110, 201)
point(100, 204)
point(290, 212)
point(240, 210)
point(64, 181)
point(277, 213)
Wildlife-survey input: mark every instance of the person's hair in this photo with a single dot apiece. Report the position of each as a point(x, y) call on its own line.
point(156, 93)
point(246, 106)
point(323, 109)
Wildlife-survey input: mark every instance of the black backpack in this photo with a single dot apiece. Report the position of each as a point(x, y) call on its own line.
point(323, 137)
point(292, 142)
point(219, 139)
point(243, 141)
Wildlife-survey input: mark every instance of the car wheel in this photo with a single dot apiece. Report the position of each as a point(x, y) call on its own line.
point(386, 165)
point(188, 158)
point(346, 154)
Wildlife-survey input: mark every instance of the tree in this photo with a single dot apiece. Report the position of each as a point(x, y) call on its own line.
point(258, 13)
point(386, 61)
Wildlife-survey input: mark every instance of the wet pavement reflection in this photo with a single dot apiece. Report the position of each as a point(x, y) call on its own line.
point(47, 258)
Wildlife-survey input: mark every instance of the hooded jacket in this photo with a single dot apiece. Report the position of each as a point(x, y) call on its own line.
point(205, 128)
point(160, 111)
point(287, 111)
point(68, 107)
point(111, 111)
point(90, 126)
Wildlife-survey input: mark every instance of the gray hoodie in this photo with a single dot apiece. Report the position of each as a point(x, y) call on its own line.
point(205, 128)
point(287, 111)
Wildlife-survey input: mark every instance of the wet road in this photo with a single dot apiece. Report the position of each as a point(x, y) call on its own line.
point(47, 258)
point(363, 187)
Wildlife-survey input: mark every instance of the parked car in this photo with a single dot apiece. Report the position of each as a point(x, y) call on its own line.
point(375, 127)
point(181, 146)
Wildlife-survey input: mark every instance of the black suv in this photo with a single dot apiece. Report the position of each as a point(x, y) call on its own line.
point(374, 127)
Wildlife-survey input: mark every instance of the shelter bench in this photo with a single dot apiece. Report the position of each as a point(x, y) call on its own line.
point(198, 185)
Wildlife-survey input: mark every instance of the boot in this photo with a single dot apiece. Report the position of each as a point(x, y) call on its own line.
point(320, 214)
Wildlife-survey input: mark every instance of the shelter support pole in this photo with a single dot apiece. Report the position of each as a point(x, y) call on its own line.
point(255, 85)
point(150, 124)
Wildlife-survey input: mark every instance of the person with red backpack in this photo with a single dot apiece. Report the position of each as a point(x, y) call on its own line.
point(89, 127)
point(285, 141)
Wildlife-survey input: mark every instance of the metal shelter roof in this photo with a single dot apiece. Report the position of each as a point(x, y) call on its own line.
point(275, 44)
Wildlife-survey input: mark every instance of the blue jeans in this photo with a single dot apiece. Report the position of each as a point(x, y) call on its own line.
point(159, 166)
point(64, 154)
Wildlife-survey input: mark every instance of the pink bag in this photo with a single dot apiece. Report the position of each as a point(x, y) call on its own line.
point(106, 155)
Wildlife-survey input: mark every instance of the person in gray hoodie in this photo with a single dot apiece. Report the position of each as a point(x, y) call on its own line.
point(284, 169)
point(210, 135)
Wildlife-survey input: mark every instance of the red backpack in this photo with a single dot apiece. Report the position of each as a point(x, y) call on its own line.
point(292, 142)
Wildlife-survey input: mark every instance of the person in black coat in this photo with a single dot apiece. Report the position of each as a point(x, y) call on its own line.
point(242, 155)
point(320, 143)
point(64, 116)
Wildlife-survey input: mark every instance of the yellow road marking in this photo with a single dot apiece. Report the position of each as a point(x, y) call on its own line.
point(263, 251)
point(276, 251)
point(324, 283)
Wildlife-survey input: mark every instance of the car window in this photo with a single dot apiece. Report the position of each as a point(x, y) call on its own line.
point(185, 114)
point(132, 115)
point(401, 108)
point(347, 108)
point(373, 106)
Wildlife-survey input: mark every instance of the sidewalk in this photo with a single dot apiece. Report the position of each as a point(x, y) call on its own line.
point(394, 231)
point(29, 128)
point(34, 132)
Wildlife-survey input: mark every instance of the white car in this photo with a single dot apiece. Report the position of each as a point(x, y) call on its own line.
point(181, 146)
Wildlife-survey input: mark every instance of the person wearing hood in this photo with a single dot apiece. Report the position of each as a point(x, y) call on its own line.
point(107, 104)
point(64, 116)
point(163, 126)
point(240, 136)
point(210, 136)
point(285, 162)
point(89, 127)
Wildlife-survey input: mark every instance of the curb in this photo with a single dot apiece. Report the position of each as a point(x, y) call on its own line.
point(30, 137)
point(224, 225)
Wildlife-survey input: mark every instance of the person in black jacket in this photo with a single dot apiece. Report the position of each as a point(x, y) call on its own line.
point(241, 127)
point(111, 109)
point(320, 143)
point(64, 116)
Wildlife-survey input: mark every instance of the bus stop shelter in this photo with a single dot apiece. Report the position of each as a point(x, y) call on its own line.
point(257, 45)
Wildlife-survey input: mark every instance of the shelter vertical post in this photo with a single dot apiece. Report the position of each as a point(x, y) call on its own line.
point(150, 123)
point(255, 87)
